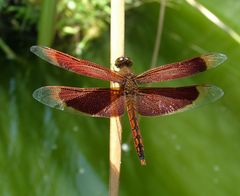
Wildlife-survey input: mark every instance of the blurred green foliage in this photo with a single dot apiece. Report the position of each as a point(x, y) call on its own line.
point(48, 152)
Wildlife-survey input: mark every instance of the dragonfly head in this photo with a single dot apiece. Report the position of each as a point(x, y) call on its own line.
point(123, 61)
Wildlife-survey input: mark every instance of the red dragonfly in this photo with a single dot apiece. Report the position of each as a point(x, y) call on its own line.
point(107, 102)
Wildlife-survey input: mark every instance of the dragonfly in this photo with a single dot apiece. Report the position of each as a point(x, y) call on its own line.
point(129, 96)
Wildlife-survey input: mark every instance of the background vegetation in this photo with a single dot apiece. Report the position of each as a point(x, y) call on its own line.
point(48, 152)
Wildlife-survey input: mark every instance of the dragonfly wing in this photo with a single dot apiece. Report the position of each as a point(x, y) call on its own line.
point(82, 67)
point(164, 101)
point(181, 69)
point(99, 102)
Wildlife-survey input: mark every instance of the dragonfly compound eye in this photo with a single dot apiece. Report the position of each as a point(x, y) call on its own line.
point(123, 61)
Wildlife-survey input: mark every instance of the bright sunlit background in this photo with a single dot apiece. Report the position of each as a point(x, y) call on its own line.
point(47, 152)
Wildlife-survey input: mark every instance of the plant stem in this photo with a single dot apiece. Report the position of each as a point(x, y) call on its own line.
point(117, 50)
point(159, 32)
point(46, 25)
point(8, 51)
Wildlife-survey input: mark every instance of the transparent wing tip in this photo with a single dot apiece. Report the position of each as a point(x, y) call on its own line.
point(45, 96)
point(40, 51)
point(209, 93)
point(214, 59)
point(33, 49)
point(37, 94)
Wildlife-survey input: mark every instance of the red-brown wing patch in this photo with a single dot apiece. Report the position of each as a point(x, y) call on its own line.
point(181, 69)
point(163, 101)
point(82, 67)
point(97, 102)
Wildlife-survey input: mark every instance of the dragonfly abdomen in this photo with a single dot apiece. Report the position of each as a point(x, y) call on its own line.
point(137, 137)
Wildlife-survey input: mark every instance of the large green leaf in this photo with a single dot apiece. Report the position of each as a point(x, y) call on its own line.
point(49, 152)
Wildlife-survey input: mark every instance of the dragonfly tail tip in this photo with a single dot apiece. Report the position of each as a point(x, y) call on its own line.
point(143, 162)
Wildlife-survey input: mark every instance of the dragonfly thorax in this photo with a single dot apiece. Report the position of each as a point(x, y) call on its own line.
point(130, 86)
